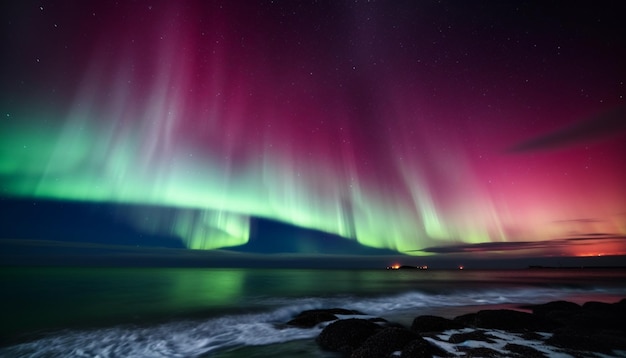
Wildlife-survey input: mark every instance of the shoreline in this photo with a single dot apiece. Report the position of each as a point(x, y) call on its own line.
point(563, 328)
point(129, 311)
point(483, 341)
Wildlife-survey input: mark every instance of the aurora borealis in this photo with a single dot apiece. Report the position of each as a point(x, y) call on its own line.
point(422, 127)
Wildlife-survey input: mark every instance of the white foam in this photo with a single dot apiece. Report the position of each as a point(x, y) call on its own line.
point(179, 339)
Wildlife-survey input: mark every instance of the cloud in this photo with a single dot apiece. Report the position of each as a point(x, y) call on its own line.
point(587, 220)
point(547, 245)
point(603, 126)
point(485, 247)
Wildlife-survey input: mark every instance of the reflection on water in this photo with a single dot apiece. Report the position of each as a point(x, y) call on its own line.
point(204, 288)
point(42, 298)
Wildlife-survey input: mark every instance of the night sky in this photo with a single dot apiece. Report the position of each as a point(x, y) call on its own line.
point(478, 129)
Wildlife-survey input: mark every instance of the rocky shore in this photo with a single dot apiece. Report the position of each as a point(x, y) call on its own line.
point(558, 328)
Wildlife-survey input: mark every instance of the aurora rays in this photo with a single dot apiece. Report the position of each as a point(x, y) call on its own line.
point(367, 124)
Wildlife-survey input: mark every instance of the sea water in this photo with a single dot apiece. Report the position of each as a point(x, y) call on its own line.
point(191, 312)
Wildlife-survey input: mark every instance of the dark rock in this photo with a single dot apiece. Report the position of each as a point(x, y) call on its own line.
point(346, 335)
point(468, 319)
point(543, 309)
point(471, 336)
point(524, 351)
point(620, 307)
point(434, 324)
point(385, 342)
point(312, 318)
point(560, 318)
point(594, 316)
point(308, 320)
point(594, 327)
point(508, 320)
point(612, 339)
point(421, 348)
point(597, 327)
point(598, 306)
point(596, 320)
point(571, 338)
point(532, 336)
point(482, 352)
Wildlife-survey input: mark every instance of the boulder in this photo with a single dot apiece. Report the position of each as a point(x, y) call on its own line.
point(468, 319)
point(311, 318)
point(385, 342)
point(421, 348)
point(507, 320)
point(482, 352)
point(471, 336)
point(571, 338)
point(596, 320)
point(598, 306)
point(346, 335)
point(596, 327)
point(429, 323)
point(523, 351)
point(593, 316)
point(563, 306)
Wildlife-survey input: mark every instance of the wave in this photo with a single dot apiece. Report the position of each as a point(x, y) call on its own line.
point(418, 301)
point(193, 338)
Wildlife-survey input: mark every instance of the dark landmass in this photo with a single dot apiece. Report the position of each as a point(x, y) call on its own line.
point(558, 327)
point(406, 267)
point(535, 267)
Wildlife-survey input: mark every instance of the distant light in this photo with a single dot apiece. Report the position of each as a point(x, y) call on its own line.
point(461, 267)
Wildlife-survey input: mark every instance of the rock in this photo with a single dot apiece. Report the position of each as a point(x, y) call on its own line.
point(598, 306)
point(588, 330)
point(543, 309)
point(471, 336)
point(467, 320)
point(593, 316)
point(346, 335)
point(311, 318)
point(612, 339)
point(428, 323)
point(508, 320)
point(532, 336)
point(385, 342)
point(620, 307)
point(482, 352)
point(597, 327)
point(421, 348)
point(571, 338)
point(596, 320)
point(524, 351)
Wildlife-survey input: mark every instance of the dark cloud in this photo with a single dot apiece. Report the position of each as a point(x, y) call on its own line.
point(485, 247)
point(603, 126)
point(584, 239)
point(595, 236)
point(587, 220)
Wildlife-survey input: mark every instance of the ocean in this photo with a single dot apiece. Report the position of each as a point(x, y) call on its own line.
point(192, 312)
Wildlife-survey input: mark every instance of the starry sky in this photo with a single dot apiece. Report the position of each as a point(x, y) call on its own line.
point(427, 128)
